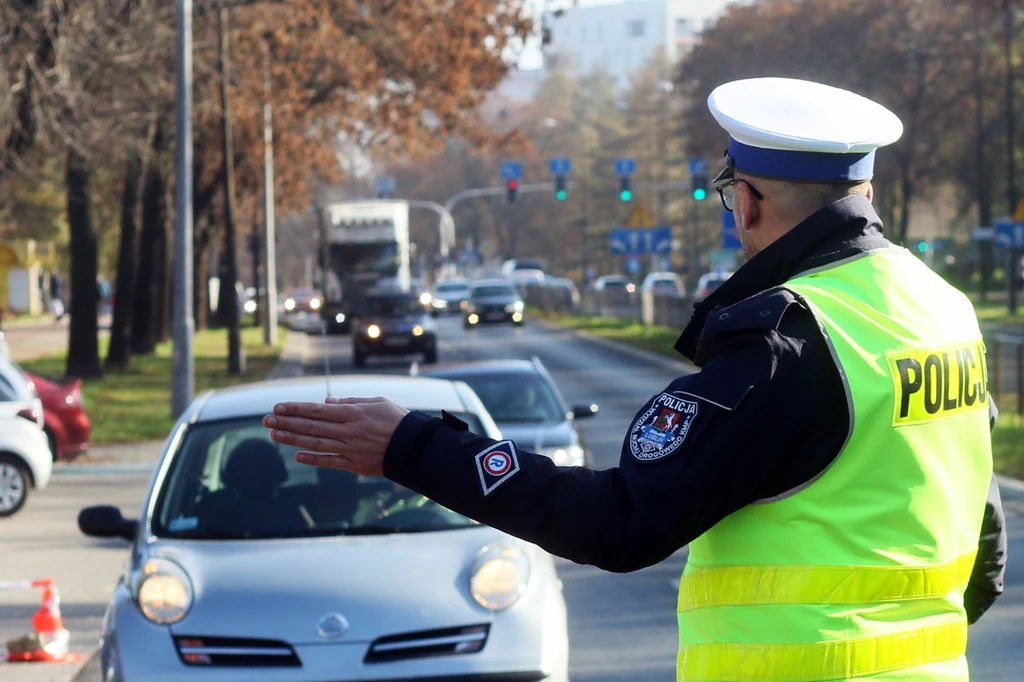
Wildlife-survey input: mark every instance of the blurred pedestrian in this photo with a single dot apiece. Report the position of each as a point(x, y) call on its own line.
point(829, 466)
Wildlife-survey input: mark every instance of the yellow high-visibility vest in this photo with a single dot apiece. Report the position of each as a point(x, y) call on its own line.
point(860, 574)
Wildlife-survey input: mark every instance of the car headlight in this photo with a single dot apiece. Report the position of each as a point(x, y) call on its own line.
point(339, 318)
point(163, 591)
point(473, 318)
point(464, 305)
point(426, 298)
point(499, 576)
point(417, 330)
point(373, 331)
point(567, 456)
point(517, 317)
point(250, 306)
point(289, 304)
point(314, 304)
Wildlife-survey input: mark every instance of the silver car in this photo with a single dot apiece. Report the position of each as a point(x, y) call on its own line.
point(247, 565)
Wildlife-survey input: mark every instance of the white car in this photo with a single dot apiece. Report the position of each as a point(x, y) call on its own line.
point(25, 458)
point(247, 565)
point(450, 296)
point(665, 283)
point(708, 282)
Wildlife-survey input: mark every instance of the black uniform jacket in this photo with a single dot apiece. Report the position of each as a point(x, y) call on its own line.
point(768, 414)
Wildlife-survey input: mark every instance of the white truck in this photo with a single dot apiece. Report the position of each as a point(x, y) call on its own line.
point(361, 243)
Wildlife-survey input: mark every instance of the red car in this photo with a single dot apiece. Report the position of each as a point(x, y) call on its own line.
point(66, 424)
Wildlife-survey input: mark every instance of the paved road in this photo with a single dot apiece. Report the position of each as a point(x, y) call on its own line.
point(622, 627)
point(46, 337)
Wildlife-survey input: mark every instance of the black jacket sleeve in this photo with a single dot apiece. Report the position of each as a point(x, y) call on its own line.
point(745, 414)
point(986, 583)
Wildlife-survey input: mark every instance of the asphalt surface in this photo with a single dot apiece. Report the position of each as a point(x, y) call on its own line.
point(621, 627)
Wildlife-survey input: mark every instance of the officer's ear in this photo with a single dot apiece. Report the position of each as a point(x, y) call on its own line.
point(747, 206)
point(871, 192)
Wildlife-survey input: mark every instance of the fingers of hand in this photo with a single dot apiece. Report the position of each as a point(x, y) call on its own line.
point(334, 412)
point(321, 460)
point(309, 427)
point(315, 443)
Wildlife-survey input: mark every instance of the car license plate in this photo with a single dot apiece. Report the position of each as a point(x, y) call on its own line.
point(395, 341)
point(495, 315)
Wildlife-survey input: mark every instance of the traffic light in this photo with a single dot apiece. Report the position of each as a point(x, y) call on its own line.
point(699, 185)
point(512, 187)
point(561, 188)
point(626, 187)
point(922, 247)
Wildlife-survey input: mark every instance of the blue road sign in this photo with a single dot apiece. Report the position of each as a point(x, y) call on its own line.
point(1010, 234)
point(633, 265)
point(730, 240)
point(560, 166)
point(511, 170)
point(698, 166)
point(643, 241)
point(625, 166)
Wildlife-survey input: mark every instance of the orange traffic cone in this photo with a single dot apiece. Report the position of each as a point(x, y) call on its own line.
point(49, 641)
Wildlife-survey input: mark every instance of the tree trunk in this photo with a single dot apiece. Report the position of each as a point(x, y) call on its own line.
point(119, 354)
point(201, 278)
point(164, 281)
point(83, 338)
point(148, 284)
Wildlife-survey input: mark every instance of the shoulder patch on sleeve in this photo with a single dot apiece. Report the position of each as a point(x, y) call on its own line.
point(496, 464)
point(662, 428)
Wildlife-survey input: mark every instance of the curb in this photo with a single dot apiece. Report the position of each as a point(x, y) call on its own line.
point(680, 366)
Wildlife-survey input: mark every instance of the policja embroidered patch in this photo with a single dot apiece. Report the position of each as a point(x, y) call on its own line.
point(662, 428)
point(496, 465)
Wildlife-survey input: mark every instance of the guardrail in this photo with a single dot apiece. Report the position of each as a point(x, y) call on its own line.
point(646, 307)
point(1006, 369)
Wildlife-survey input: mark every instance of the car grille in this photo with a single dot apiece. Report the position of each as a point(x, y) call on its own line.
point(235, 652)
point(428, 643)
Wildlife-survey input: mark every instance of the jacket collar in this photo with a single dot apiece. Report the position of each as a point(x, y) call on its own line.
point(840, 230)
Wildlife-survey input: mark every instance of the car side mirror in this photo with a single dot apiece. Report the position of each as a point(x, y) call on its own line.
point(106, 522)
point(584, 411)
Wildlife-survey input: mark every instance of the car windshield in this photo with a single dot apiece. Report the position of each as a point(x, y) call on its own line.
point(515, 397)
point(392, 306)
point(614, 284)
point(522, 264)
point(229, 481)
point(493, 291)
point(664, 284)
point(714, 283)
point(449, 288)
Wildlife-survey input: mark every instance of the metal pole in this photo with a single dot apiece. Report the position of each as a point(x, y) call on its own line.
point(270, 247)
point(183, 369)
point(231, 314)
point(1011, 170)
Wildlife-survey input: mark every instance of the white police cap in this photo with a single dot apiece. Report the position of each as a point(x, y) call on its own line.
point(801, 130)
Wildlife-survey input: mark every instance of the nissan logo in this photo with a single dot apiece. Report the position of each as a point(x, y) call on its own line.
point(332, 625)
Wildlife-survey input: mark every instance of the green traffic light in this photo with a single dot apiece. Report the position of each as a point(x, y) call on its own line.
point(561, 194)
point(700, 194)
point(626, 195)
point(922, 247)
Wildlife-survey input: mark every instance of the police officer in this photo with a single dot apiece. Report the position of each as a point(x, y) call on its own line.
point(830, 464)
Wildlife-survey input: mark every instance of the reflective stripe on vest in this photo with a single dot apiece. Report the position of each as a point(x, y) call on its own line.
point(836, 660)
point(752, 585)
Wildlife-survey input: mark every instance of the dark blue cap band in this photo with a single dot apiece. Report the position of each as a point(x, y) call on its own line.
point(786, 164)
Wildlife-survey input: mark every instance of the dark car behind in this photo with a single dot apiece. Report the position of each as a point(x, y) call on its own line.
point(393, 323)
point(494, 301)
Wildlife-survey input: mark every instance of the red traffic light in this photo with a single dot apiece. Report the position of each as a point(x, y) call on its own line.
point(513, 184)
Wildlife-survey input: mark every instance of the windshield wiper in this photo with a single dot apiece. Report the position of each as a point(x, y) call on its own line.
point(381, 529)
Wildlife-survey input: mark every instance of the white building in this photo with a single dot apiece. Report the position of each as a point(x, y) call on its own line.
point(624, 35)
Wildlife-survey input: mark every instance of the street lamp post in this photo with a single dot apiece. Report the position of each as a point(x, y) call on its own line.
point(183, 366)
point(270, 247)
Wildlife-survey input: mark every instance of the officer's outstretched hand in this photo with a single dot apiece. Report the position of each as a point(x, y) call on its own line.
point(344, 433)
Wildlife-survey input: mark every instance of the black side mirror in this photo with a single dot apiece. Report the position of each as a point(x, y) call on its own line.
point(106, 522)
point(584, 411)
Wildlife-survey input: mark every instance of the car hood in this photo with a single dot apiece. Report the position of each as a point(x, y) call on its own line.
point(533, 437)
point(280, 589)
point(397, 324)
